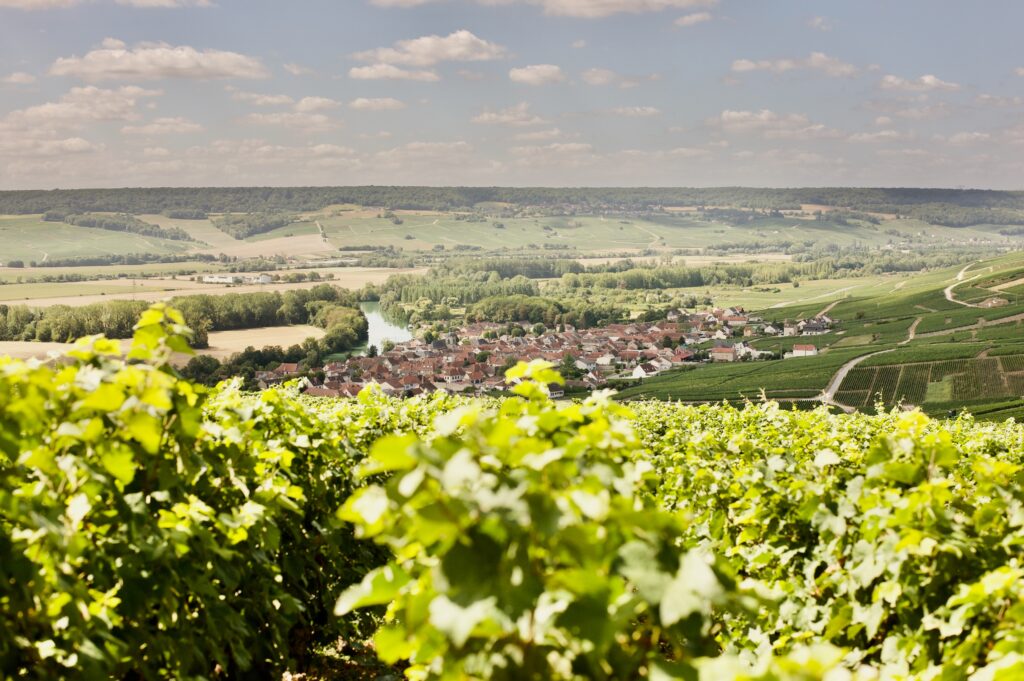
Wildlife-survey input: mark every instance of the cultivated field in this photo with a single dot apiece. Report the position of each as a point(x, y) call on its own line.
point(222, 344)
point(29, 239)
point(157, 289)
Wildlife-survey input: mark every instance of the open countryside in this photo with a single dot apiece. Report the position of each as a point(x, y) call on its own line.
point(511, 340)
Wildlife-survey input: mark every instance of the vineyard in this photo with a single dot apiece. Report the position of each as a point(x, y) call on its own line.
point(151, 528)
point(962, 380)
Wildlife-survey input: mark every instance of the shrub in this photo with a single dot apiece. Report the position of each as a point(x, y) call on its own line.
point(150, 529)
point(527, 545)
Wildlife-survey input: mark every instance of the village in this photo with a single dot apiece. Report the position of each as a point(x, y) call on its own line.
point(473, 359)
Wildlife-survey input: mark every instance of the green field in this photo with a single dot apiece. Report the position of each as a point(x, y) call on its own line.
point(30, 239)
point(803, 377)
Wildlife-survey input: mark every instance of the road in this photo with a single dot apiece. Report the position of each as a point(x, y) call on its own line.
point(948, 291)
point(828, 395)
point(911, 332)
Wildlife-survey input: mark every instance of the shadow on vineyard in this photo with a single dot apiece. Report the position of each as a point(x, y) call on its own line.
point(153, 528)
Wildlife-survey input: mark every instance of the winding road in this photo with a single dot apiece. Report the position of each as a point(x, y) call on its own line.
point(948, 291)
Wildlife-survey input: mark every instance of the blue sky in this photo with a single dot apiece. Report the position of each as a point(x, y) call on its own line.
point(511, 92)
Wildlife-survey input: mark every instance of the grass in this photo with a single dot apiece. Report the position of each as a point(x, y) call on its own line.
point(14, 293)
point(30, 239)
point(796, 377)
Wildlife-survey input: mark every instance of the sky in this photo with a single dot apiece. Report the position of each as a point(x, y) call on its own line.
point(108, 93)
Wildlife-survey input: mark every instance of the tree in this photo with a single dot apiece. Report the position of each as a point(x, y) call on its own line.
point(371, 351)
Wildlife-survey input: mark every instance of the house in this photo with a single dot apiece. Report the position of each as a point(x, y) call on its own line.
point(723, 353)
point(804, 351)
point(682, 355)
point(644, 370)
point(790, 329)
point(814, 328)
point(262, 278)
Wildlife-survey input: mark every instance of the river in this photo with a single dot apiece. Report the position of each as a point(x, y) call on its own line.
point(382, 328)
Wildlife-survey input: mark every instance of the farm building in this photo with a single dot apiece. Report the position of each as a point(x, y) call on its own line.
point(803, 351)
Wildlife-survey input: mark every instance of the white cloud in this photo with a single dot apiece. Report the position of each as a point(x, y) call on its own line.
point(539, 135)
point(998, 101)
point(259, 99)
point(926, 83)
point(636, 111)
point(516, 116)
point(1019, 71)
point(586, 9)
point(166, 3)
point(315, 104)
point(569, 155)
point(19, 78)
point(57, 4)
point(35, 147)
point(693, 19)
point(376, 104)
point(163, 126)
point(37, 4)
point(598, 77)
point(460, 46)
point(425, 157)
point(297, 69)
point(883, 121)
point(149, 61)
point(305, 122)
point(537, 74)
point(689, 152)
point(81, 105)
point(820, 24)
point(772, 125)
point(880, 136)
point(817, 61)
point(579, 44)
point(965, 138)
point(156, 152)
point(391, 72)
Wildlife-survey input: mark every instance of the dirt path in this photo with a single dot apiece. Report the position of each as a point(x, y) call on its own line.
point(977, 325)
point(828, 395)
point(911, 332)
point(828, 308)
point(1009, 284)
point(948, 291)
point(817, 297)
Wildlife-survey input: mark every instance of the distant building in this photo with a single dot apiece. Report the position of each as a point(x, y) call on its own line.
point(804, 351)
point(644, 370)
point(723, 353)
point(222, 279)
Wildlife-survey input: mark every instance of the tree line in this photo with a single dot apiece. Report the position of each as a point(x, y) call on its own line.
point(956, 207)
point(121, 222)
point(203, 313)
point(250, 224)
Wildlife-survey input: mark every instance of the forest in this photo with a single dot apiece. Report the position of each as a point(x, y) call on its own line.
point(203, 313)
point(117, 223)
point(952, 207)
